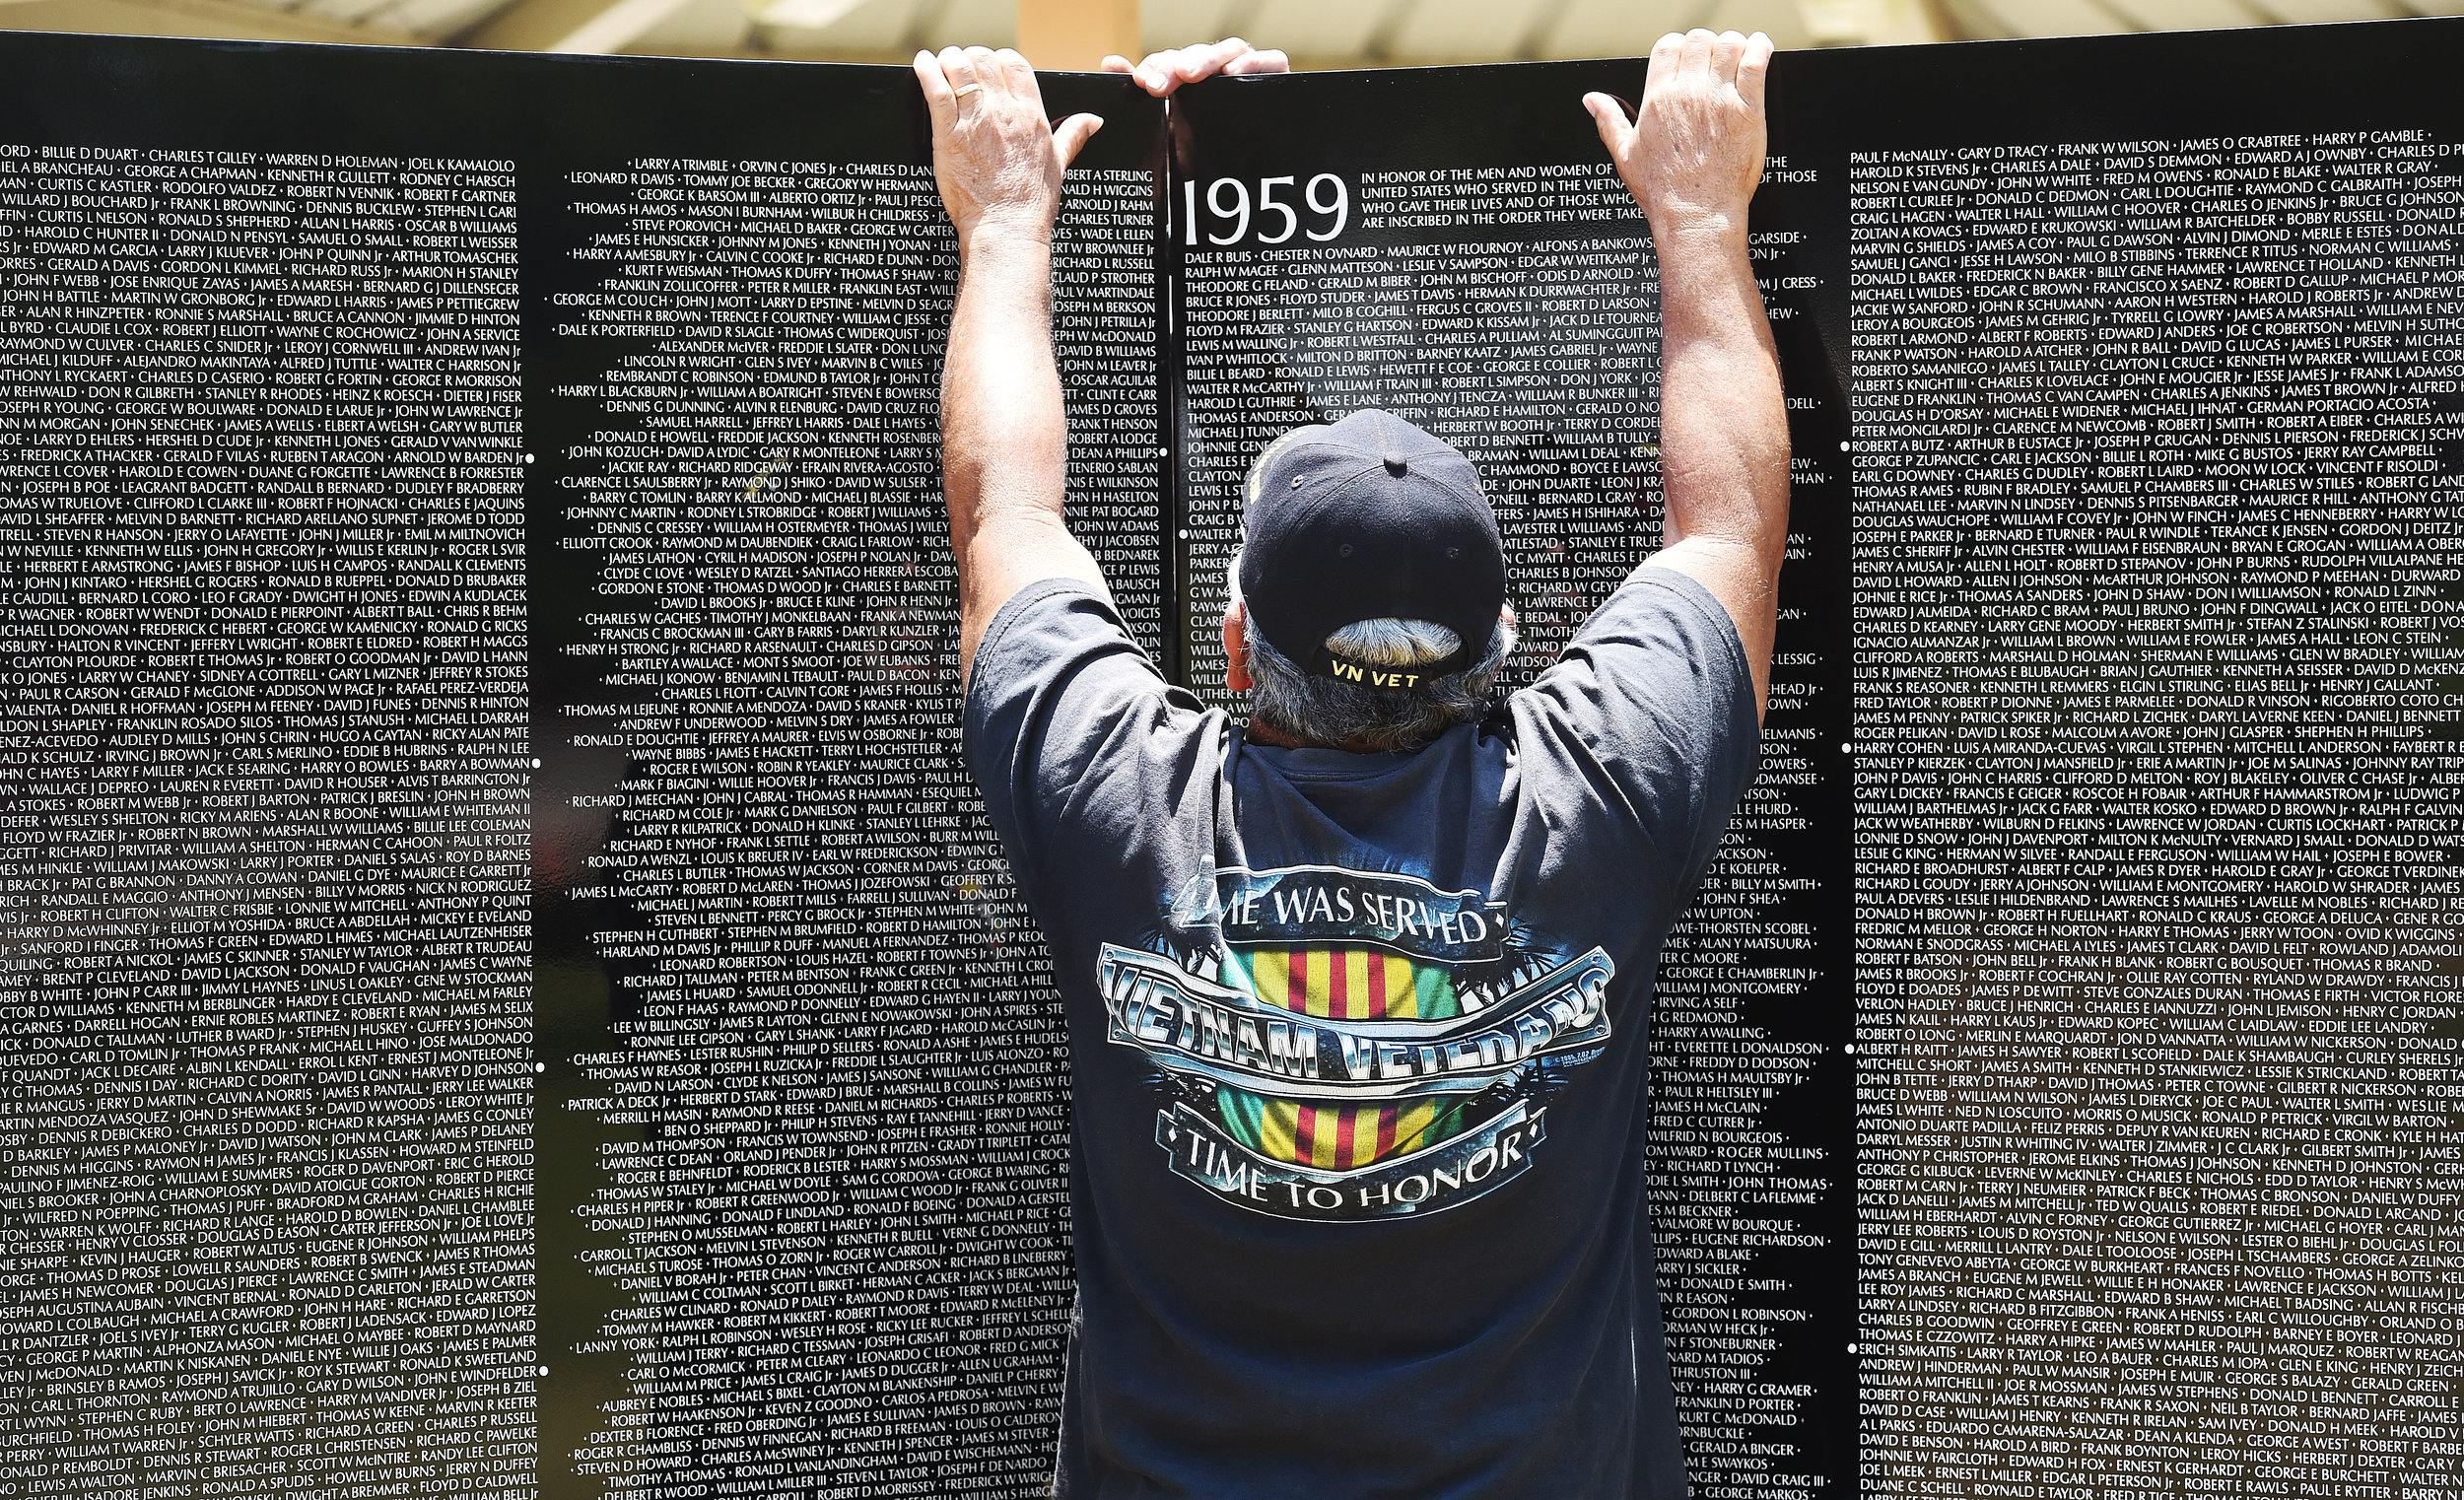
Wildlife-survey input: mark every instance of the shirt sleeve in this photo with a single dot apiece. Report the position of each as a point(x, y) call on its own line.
point(1062, 726)
point(1646, 723)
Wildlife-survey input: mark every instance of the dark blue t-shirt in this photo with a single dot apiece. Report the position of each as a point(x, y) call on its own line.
point(1359, 1059)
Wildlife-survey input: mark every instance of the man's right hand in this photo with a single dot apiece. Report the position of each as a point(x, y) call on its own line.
point(1694, 155)
point(997, 163)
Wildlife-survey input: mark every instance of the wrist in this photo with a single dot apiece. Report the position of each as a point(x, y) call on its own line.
point(1686, 228)
point(1001, 237)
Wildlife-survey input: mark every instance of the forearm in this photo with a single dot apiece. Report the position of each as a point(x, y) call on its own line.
point(1004, 435)
point(1722, 421)
point(1004, 441)
point(1693, 156)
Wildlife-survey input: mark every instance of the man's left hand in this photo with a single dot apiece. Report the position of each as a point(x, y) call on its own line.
point(1163, 72)
point(997, 163)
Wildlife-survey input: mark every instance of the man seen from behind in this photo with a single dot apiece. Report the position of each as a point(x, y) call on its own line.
point(1358, 990)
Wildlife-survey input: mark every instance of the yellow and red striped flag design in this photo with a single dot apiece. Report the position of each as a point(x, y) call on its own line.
point(1344, 984)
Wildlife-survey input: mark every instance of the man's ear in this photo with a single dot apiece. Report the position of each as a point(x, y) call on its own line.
point(1235, 647)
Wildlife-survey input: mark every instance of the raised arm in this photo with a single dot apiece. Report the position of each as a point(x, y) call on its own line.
point(1004, 440)
point(1692, 159)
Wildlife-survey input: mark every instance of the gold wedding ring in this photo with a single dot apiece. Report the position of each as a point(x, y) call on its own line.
point(964, 90)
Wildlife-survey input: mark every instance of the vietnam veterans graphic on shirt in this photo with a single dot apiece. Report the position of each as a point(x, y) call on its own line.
point(1343, 1045)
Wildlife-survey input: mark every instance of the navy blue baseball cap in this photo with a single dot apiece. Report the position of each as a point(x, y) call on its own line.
point(1370, 518)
